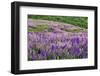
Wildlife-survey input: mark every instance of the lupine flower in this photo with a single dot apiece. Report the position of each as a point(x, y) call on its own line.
point(57, 45)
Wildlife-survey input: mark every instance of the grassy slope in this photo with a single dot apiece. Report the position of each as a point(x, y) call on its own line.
point(78, 21)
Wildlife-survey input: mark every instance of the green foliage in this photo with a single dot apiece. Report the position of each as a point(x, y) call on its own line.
point(78, 21)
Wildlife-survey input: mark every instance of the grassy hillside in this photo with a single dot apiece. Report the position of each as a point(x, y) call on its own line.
point(78, 21)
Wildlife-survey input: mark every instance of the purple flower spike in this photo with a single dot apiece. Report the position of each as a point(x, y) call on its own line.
point(75, 51)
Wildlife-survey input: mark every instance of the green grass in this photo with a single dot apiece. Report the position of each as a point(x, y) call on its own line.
point(78, 21)
point(73, 30)
point(39, 28)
